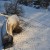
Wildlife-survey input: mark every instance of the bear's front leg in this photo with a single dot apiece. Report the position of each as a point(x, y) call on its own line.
point(11, 31)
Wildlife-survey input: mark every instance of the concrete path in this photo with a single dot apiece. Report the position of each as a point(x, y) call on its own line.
point(36, 31)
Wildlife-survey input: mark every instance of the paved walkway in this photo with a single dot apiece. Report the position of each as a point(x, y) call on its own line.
point(36, 31)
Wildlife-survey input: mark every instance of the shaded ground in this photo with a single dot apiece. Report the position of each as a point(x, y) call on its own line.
point(36, 30)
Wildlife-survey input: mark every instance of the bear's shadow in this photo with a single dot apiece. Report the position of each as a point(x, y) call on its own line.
point(17, 30)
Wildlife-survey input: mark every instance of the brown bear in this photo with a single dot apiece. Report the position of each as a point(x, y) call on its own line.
point(11, 24)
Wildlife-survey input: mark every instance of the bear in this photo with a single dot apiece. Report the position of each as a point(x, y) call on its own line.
point(12, 23)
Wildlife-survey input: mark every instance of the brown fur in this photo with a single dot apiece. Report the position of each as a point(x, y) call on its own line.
point(11, 25)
